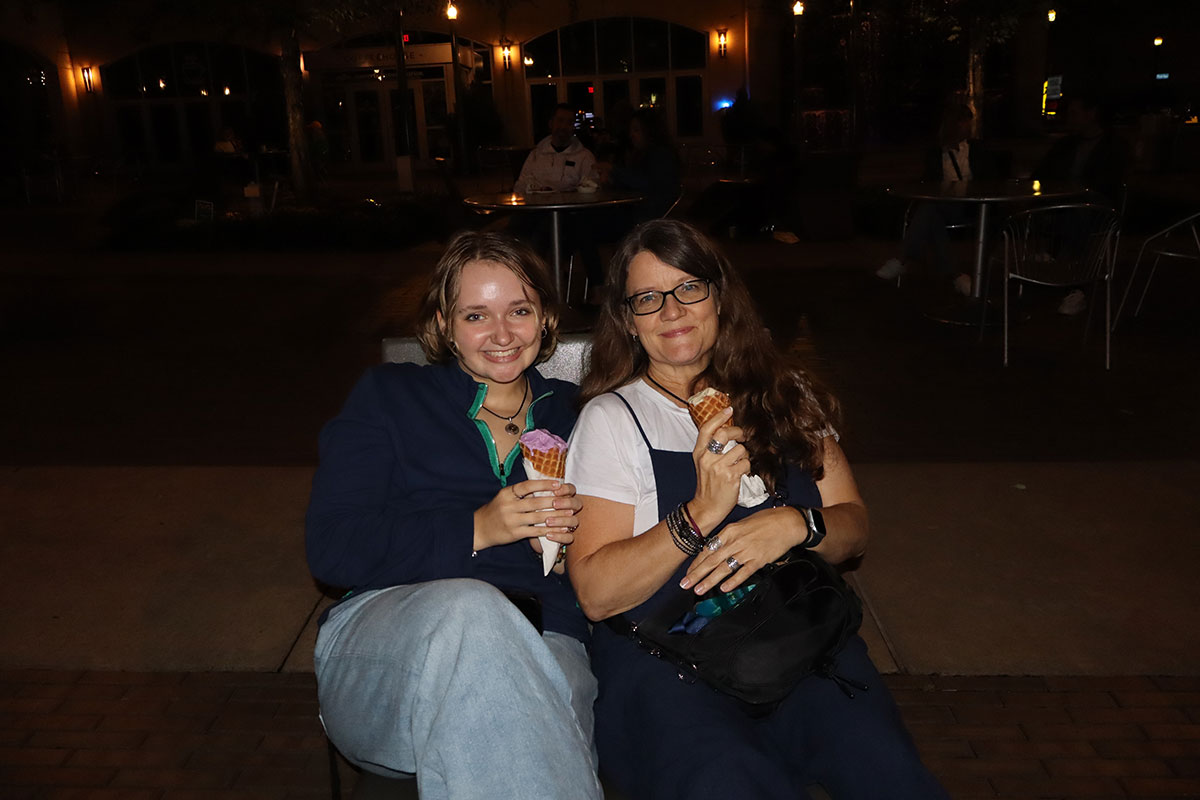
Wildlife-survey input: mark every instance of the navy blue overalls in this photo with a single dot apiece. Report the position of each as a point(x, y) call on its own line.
point(663, 738)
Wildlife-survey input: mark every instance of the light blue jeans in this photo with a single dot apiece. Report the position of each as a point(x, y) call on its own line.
point(448, 680)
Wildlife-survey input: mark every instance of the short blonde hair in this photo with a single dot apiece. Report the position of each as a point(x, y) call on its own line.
point(442, 294)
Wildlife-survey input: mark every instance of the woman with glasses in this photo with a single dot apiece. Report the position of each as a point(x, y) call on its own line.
point(681, 321)
point(421, 507)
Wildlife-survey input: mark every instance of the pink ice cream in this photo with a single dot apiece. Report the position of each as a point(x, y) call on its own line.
point(540, 439)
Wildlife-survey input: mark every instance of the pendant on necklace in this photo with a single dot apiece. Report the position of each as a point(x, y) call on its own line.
point(511, 428)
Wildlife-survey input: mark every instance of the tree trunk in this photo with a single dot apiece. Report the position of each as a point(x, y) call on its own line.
point(293, 94)
point(975, 51)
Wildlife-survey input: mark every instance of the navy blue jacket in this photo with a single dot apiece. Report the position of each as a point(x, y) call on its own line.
point(403, 468)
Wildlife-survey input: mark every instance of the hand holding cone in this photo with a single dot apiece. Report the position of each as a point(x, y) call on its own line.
point(703, 406)
point(545, 456)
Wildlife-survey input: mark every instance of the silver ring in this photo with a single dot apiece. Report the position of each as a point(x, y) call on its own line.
point(714, 543)
point(714, 446)
point(733, 564)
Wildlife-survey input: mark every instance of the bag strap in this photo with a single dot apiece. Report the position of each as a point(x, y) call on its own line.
point(636, 421)
point(620, 624)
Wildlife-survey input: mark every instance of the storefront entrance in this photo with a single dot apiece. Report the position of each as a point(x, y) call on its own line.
point(362, 120)
point(358, 102)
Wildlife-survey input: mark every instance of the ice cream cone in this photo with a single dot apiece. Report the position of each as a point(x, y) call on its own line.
point(705, 405)
point(551, 463)
point(545, 456)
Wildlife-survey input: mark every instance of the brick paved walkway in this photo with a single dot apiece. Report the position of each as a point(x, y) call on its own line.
point(251, 736)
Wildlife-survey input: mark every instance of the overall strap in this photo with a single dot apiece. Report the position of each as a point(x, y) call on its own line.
point(636, 421)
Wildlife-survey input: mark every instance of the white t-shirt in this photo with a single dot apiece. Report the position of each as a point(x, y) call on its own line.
point(607, 457)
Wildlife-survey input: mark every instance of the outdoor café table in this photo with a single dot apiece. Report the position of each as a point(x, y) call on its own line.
point(985, 194)
point(554, 203)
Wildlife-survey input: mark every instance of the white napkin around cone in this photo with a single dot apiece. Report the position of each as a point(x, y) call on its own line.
point(752, 491)
point(549, 549)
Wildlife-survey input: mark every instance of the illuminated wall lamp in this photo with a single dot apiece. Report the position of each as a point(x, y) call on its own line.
point(87, 80)
point(1051, 15)
point(1158, 41)
point(506, 51)
point(798, 10)
point(722, 42)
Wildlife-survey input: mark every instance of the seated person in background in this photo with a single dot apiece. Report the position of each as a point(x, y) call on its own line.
point(559, 162)
point(1090, 154)
point(954, 158)
point(612, 139)
point(421, 507)
point(649, 166)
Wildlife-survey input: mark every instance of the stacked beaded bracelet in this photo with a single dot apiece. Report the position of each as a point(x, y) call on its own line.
point(684, 532)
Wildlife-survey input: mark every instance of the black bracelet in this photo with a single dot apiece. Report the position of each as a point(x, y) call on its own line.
point(685, 537)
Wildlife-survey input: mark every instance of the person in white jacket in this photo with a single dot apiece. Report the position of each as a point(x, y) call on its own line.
point(560, 161)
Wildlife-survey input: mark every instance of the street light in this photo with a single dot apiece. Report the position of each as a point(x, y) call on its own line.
point(1158, 41)
point(460, 128)
point(1051, 15)
point(797, 13)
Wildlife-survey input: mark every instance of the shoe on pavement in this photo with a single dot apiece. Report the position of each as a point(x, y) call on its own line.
point(892, 269)
point(962, 284)
point(1074, 303)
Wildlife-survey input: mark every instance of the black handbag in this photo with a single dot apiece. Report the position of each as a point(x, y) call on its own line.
point(786, 622)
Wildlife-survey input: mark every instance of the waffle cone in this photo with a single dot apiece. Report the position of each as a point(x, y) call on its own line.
point(551, 463)
point(709, 407)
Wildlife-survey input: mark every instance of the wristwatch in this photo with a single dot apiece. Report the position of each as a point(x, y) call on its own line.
point(816, 527)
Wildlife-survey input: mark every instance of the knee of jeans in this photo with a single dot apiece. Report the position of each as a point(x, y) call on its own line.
point(465, 606)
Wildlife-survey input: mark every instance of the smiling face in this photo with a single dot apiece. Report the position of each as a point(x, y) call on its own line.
point(678, 338)
point(495, 324)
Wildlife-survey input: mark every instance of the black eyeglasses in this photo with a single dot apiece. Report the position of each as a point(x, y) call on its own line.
point(688, 292)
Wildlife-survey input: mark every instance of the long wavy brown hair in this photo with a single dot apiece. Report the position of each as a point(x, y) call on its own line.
point(782, 409)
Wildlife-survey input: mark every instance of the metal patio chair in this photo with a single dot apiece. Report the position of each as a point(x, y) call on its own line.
point(1180, 239)
point(1068, 245)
